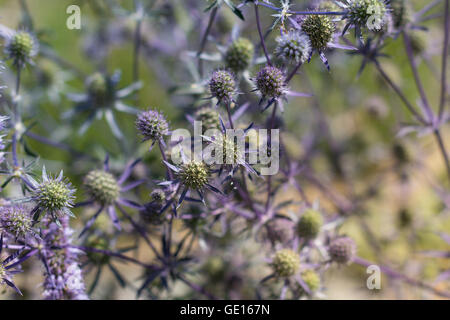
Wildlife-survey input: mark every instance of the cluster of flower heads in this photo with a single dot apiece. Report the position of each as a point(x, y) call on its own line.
point(37, 224)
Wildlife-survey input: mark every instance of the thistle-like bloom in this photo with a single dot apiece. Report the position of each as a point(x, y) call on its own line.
point(190, 176)
point(194, 175)
point(53, 196)
point(319, 29)
point(293, 46)
point(309, 225)
point(8, 267)
point(100, 100)
point(222, 86)
point(16, 220)
point(152, 125)
point(102, 186)
point(270, 82)
point(63, 276)
point(285, 263)
point(21, 47)
point(239, 55)
point(364, 13)
point(342, 250)
point(105, 191)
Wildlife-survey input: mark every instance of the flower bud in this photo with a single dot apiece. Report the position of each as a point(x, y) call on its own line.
point(209, 118)
point(21, 47)
point(102, 186)
point(239, 55)
point(309, 224)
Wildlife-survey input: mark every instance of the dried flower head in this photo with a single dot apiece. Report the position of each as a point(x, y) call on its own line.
point(293, 46)
point(309, 224)
point(16, 220)
point(21, 47)
point(270, 82)
point(319, 29)
point(102, 186)
point(280, 230)
point(152, 125)
point(194, 175)
point(342, 250)
point(286, 263)
point(222, 85)
point(239, 55)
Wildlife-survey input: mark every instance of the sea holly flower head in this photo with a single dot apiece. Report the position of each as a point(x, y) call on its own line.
point(239, 55)
point(285, 263)
point(342, 250)
point(319, 29)
point(102, 97)
point(270, 82)
point(53, 196)
point(21, 47)
point(293, 46)
point(194, 175)
point(102, 186)
point(222, 86)
point(152, 125)
point(309, 224)
point(16, 220)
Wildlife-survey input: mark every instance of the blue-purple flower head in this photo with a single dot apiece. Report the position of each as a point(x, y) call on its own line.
point(222, 85)
point(16, 220)
point(270, 82)
point(21, 47)
point(152, 125)
point(342, 250)
point(53, 196)
point(293, 46)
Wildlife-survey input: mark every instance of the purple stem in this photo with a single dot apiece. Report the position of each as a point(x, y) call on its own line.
point(212, 16)
point(397, 275)
point(263, 44)
point(444, 59)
